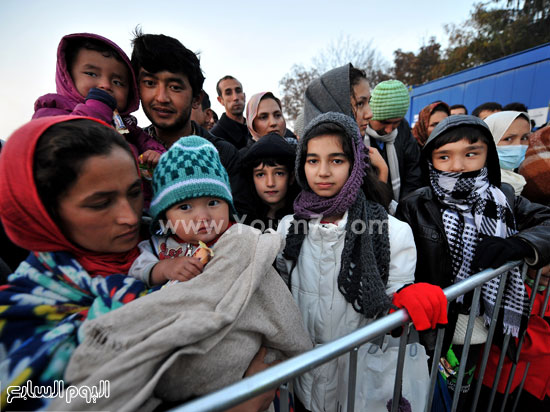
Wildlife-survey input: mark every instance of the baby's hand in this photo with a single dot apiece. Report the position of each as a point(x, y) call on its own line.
point(149, 158)
point(182, 268)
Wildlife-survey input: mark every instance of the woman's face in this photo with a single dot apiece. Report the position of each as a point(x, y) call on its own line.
point(516, 134)
point(360, 104)
point(435, 119)
point(102, 210)
point(269, 118)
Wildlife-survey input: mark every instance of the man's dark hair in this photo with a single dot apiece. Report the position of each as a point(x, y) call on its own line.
point(74, 45)
point(516, 107)
point(491, 106)
point(205, 102)
point(459, 106)
point(228, 77)
point(157, 52)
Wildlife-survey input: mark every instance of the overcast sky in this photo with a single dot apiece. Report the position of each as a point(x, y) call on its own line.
point(255, 41)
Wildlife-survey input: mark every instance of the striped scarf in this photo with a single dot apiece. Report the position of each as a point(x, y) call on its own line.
point(475, 209)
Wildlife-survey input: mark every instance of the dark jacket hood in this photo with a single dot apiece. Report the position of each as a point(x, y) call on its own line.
point(65, 85)
point(452, 122)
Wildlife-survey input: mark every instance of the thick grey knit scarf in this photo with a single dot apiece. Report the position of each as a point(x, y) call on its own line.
point(365, 258)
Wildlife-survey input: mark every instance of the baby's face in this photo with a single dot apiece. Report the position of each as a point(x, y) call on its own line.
point(202, 218)
point(92, 69)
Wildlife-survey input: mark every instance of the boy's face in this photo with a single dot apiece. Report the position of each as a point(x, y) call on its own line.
point(271, 183)
point(461, 156)
point(92, 69)
point(202, 218)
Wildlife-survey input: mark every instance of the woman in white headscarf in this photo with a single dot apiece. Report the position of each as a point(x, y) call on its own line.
point(511, 133)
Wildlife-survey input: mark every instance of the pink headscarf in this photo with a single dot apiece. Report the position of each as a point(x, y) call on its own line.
point(252, 112)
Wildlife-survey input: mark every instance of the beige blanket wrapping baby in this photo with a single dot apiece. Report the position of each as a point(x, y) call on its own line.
point(194, 337)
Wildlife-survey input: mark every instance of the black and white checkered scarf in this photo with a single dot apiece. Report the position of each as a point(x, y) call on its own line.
point(475, 209)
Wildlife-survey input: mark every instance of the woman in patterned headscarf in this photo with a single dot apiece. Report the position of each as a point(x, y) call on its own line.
point(428, 118)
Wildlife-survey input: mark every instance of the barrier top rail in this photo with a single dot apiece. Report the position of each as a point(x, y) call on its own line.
point(276, 375)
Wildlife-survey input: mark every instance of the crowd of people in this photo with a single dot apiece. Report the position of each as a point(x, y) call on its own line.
point(143, 256)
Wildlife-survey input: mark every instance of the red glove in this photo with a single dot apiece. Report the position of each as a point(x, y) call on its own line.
point(425, 303)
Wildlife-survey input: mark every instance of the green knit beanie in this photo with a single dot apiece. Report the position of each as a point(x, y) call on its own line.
point(389, 100)
point(191, 168)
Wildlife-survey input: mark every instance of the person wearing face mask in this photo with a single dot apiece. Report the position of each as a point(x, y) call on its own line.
point(511, 133)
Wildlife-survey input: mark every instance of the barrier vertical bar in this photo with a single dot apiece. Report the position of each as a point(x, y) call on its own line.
point(545, 303)
point(466, 348)
point(352, 380)
point(490, 335)
point(283, 398)
point(399, 369)
point(521, 338)
point(505, 343)
point(520, 387)
point(435, 368)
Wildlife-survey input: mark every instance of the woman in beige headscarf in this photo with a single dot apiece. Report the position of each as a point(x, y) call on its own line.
point(264, 115)
point(511, 133)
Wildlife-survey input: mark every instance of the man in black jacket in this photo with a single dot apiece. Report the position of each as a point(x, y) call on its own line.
point(170, 83)
point(232, 125)
point(391, 134)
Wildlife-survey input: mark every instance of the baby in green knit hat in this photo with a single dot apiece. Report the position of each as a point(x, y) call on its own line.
point(190, 208)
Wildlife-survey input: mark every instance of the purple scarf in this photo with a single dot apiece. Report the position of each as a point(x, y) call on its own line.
point(310, 205)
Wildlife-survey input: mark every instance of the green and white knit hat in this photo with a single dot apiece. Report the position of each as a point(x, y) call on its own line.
point(389, 100)
point(191, 168)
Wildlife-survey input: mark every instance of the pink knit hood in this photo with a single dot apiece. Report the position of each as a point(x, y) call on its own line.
point(65, 85)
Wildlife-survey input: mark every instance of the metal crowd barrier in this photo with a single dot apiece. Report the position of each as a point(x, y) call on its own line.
point(279, 375)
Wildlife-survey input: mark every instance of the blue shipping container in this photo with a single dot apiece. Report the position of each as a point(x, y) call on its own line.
point(521, 77)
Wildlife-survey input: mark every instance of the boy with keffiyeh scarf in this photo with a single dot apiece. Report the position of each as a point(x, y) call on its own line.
point(465, 221)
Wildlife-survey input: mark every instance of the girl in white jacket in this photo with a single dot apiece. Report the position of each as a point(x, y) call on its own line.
point(345, 257)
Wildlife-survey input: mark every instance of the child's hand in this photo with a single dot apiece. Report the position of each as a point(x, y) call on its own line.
point(493, 252)
point(379, 163)
point(149, 158)
point(425, 303)
point(103, 96)
point(182, 268)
